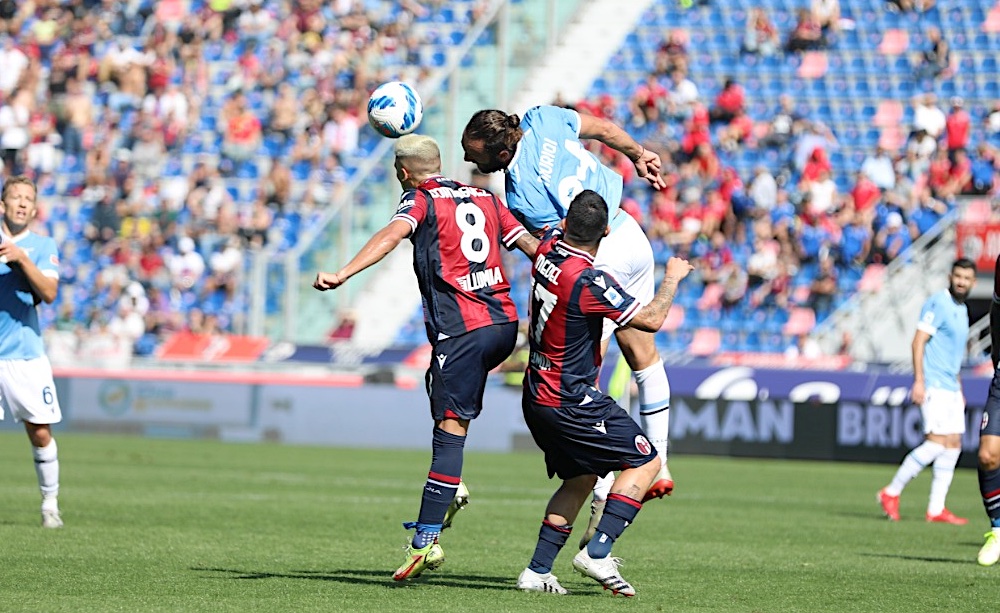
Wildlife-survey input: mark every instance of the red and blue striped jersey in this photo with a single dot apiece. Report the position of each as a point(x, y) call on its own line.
point(569, 301)
point(456, 232)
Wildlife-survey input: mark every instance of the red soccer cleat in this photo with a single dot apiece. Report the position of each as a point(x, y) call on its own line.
point(662, 486)
point(947, 517)
point(890, 505)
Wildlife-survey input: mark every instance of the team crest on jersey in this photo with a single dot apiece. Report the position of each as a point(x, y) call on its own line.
point(54, 260)
point(612, 296)
point(986, 421)
point(642, 445)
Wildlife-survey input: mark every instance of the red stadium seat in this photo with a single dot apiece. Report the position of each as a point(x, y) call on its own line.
point(675, 317)
point(801, 320)
point(992, 23)
point(871, 280)
point(711, 297)
point(889, 113)
point(813, 66)
point(977, 211)
point(894, 42)
point(705, 342)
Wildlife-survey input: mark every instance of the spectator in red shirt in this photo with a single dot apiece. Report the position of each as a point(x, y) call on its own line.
point(728, 103)
point(649, 99)
point(817, 164)
point(939, 174)
point(243, 131)
point(960, 174)
point(957, 126)
point(865, 193)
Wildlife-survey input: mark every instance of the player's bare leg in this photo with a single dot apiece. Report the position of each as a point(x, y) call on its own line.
point(639, 350)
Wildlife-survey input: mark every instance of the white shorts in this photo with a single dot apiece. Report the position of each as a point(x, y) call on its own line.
point(626, 255)
point(943, 412)
point(28, 391)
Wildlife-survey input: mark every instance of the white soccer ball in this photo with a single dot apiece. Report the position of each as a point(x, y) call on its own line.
point(394, 109)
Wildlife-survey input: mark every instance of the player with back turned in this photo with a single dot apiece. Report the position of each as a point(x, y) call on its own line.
point(582, 431)
point(29, 274)
point(471, 321)
point(545, 166)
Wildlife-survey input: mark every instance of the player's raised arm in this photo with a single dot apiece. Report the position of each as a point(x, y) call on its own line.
point(377, 247)
point(651, 316)
point(647, 163)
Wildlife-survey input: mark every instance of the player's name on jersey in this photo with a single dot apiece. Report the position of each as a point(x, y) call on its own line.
point(548, 270)
point(539, 361)
point(465, 191)
point(480, 279)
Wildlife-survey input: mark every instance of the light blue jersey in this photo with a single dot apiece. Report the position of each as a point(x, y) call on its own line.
point(551, 166)
point(948, 324)
point(20, 337)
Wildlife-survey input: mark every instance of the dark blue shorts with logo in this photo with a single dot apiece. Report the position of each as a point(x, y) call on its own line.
point(456, 378)
point(593, 439)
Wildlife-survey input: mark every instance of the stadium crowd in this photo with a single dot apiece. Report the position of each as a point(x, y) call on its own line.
point(792, 233)
point(169, 138)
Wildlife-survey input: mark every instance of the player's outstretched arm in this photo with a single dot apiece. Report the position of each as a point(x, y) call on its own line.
point(44, 287)
point(528, 245)
point(647, 163)
point(651, 316)
point(377, 247)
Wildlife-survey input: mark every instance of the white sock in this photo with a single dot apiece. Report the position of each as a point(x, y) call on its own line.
point(654, 406)
point(47, 469)
point(603, 486)
point(943, 473)
point(913, 463)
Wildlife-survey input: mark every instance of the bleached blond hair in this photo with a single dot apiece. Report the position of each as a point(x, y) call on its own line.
point(419, 154)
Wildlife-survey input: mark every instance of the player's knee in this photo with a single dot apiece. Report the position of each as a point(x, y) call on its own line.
point(989, 459)
point(639, 349)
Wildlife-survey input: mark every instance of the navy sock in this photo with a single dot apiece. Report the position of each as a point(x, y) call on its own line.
point(619, 512)
point(551, 539)
point(989, 487)
point(442, 481)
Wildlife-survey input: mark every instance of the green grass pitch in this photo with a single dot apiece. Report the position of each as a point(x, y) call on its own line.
point(163, 525)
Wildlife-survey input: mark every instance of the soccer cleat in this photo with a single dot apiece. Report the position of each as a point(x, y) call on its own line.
point(530, 581)
point(596, 513)
point(430, 557)
point(51, 519)
point(947, 517)
point(990, 552)
point(457, 504)
point(663, 485)
point(890, 504)
point(604, 571)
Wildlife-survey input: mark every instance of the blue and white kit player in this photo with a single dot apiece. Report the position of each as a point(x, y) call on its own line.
point(546, 166)
point(29, 274)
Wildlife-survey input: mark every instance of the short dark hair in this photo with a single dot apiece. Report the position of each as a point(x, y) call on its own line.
point(963, 263)
point(498, 131)
point(587, 218)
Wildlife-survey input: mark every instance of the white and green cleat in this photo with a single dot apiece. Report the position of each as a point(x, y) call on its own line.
point(457, 504)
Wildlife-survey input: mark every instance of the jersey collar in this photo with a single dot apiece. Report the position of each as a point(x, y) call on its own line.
point(570, 250)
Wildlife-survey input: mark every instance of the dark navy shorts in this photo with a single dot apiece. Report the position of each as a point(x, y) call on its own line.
point(991, 412)
point(457, 376)
point(593, 439)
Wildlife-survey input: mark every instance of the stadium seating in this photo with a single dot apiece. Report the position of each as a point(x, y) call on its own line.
point(860, 87)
